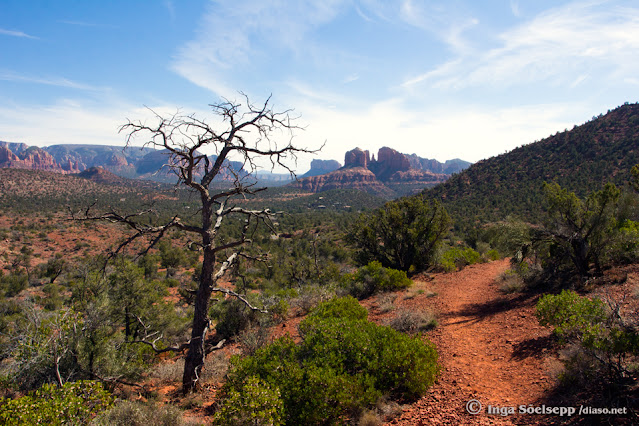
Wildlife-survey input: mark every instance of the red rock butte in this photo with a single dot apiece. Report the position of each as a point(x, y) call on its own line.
point(362, 172)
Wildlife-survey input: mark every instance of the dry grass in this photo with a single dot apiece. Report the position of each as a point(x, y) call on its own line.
point(369, 418)
point(413, 321)
point(511, 282)
point(385, 302)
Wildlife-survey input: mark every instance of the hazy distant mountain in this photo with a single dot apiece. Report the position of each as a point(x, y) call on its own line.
point(448, 167)
point(321, 167)
point(146, 163)
point(132, 162)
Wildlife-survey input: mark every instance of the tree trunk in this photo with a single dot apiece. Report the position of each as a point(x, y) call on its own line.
point(580, 256)
point(195, 355)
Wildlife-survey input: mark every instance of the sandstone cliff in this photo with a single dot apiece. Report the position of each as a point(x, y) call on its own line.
point(31, 158)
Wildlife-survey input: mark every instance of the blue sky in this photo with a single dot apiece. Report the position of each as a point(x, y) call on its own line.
point(443, 79)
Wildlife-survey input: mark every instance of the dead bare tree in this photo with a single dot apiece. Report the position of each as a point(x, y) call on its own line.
point(243, 132)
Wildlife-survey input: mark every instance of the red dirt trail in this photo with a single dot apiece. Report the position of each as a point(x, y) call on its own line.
point(491, 349)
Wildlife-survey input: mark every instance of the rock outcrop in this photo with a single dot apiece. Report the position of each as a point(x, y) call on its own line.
point(357, 158)
point(321, 167)
point(100, 175)
point(31, 158)
point(388, 163)
point(132, 162)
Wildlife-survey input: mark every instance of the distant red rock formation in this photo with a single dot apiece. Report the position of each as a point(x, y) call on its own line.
point(357, 158)
point(32, 158)
point(361, 171)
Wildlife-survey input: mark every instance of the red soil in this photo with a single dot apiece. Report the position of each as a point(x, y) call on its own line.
point(491, 349)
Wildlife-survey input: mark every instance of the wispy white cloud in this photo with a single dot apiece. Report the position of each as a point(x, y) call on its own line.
point(170, 7)
point(514, 8)
point(48, 81)
point(78, 121)
point(14, 33)
point(233, 36)
point(66, 121)
point(550, 48)
point(447, 21)
point(351, 78)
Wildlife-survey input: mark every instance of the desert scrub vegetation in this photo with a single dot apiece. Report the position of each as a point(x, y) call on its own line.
point(374, 278)
point(605, 341)
point(343, 365)
point(72, 403)
point(403, 234)
point(407, 321)
point(579, 238)
point(133, 413)
point(510, 281)
point(456, 258)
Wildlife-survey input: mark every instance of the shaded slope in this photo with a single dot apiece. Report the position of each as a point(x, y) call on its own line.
point(582, 159)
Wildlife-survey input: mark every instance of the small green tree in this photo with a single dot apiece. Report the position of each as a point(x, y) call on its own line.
point(404, 234)
point(576, 229)
point(55, 267)
point(44, 346)
point(170, 257)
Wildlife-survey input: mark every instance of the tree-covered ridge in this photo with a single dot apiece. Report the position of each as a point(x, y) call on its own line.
point(580, 160)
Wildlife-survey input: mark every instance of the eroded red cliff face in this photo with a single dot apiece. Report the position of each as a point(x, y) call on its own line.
point(357, 158)
point(32, 158)
point(6, 156)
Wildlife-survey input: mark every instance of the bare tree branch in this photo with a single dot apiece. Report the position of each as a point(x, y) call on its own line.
point(242, 132)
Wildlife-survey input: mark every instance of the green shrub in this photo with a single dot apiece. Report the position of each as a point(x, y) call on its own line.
point(374, 278)
point(492, 254)
point(344, 308)
point(601, 334)
point(233, 316)
point(456, 258)
point(255, 404)
point(625, 248)
point(572, 316)
point(14, 283)
point(343, 364)
point(73, 403)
